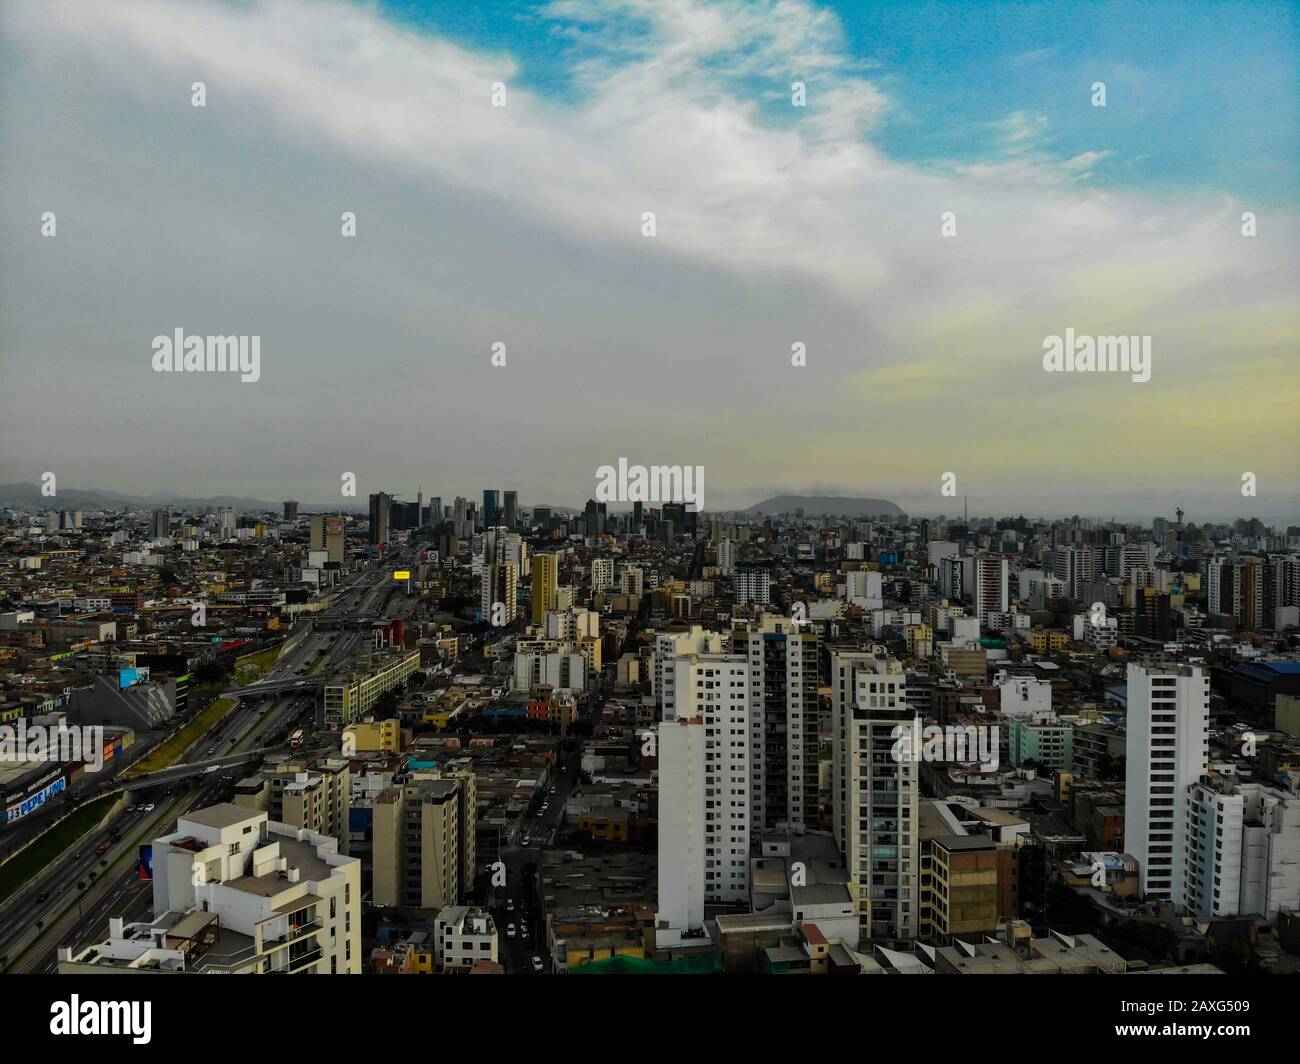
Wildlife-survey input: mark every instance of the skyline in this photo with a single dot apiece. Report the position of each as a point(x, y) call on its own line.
point(776, 226)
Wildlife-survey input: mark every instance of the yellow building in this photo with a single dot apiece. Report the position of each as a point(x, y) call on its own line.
point(373, 737)
point(546, 581)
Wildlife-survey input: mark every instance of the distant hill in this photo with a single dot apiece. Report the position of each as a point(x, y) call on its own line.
point(29, 495)
point(827, 505)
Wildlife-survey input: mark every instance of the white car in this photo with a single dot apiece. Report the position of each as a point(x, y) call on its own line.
point(537, 964)
point(149, 808)
point(510, 930)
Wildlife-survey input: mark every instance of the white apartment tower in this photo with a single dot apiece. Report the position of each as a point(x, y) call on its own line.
point(875, 796)
point(704, 807)
point(992, 587)
point(1167, 746)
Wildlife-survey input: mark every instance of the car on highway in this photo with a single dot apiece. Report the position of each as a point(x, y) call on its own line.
point(537, 964)
point(552, 790)
point(149, 808)
point(42, 896)
point(510, 905)
point(510, 930)
point(101, 849)
point(540, 814)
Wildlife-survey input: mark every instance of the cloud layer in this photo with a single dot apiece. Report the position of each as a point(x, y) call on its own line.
point(523, 224)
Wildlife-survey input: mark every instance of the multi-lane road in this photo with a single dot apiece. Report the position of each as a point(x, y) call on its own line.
point(71, 901)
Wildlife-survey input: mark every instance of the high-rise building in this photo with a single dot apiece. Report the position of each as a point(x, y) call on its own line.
point(236, 893)
point(327, 534)
point(511, 516)
point(490, 517)
point(992, 586)
point(727, 557)
point(784, 725)
point(460, 518)
point(161, 526)
point(753, 584)
point(874, 794)
point(1243, 850)
point(1166, 753)
point(424, 840)
point(380, 503)
point(546, 581)
point(291, 509)
point(704, 806)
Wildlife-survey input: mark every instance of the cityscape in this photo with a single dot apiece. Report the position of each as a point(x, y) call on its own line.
point(558, 488)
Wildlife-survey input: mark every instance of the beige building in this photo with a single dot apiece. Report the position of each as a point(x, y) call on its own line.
point(313, 796)
point(424, 841)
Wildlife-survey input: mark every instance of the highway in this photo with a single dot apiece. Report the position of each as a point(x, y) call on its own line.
point(70, 902)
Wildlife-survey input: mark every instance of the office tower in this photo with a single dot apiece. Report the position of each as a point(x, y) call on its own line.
point(291, 509)
point(602, 574)
point(591, 518)
point(380, 504)
point(1166, 748)
point(460, 518)
point(490, 518)
point(874, 795)
point(511, 517)
point(236, 893)
point(753, 584)
point(925, 530)
point(423, 841)
point(161, 527)
point(992, 586)
point(704, 773)
point(953, 580)
point(435, 511)
point(546, 580)
point(783, 724)
point(727, 557)
point(638, 515)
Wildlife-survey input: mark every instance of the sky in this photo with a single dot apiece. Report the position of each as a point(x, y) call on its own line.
point(774, 225)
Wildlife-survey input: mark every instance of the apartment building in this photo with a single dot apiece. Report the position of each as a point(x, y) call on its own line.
point(1167, 746)
point(874, 796)
point(350, 698)
point(237, 893)
point(462, 937)
point(784, 724)
point(311, 795)
point(424, 841)
point(704, 792)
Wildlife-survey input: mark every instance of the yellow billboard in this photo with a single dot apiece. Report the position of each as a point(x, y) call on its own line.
point(401, 574)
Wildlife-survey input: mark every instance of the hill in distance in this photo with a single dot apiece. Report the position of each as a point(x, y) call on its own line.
point(827, 506)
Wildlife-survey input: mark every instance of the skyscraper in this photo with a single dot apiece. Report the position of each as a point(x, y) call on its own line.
point(875, 794)
point(490, 509)
point(379, 507)
point(511, 516)
point(783, 725)
point(546, 580)
point(1166, 748)
point(291, 509)
point(704, 829)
